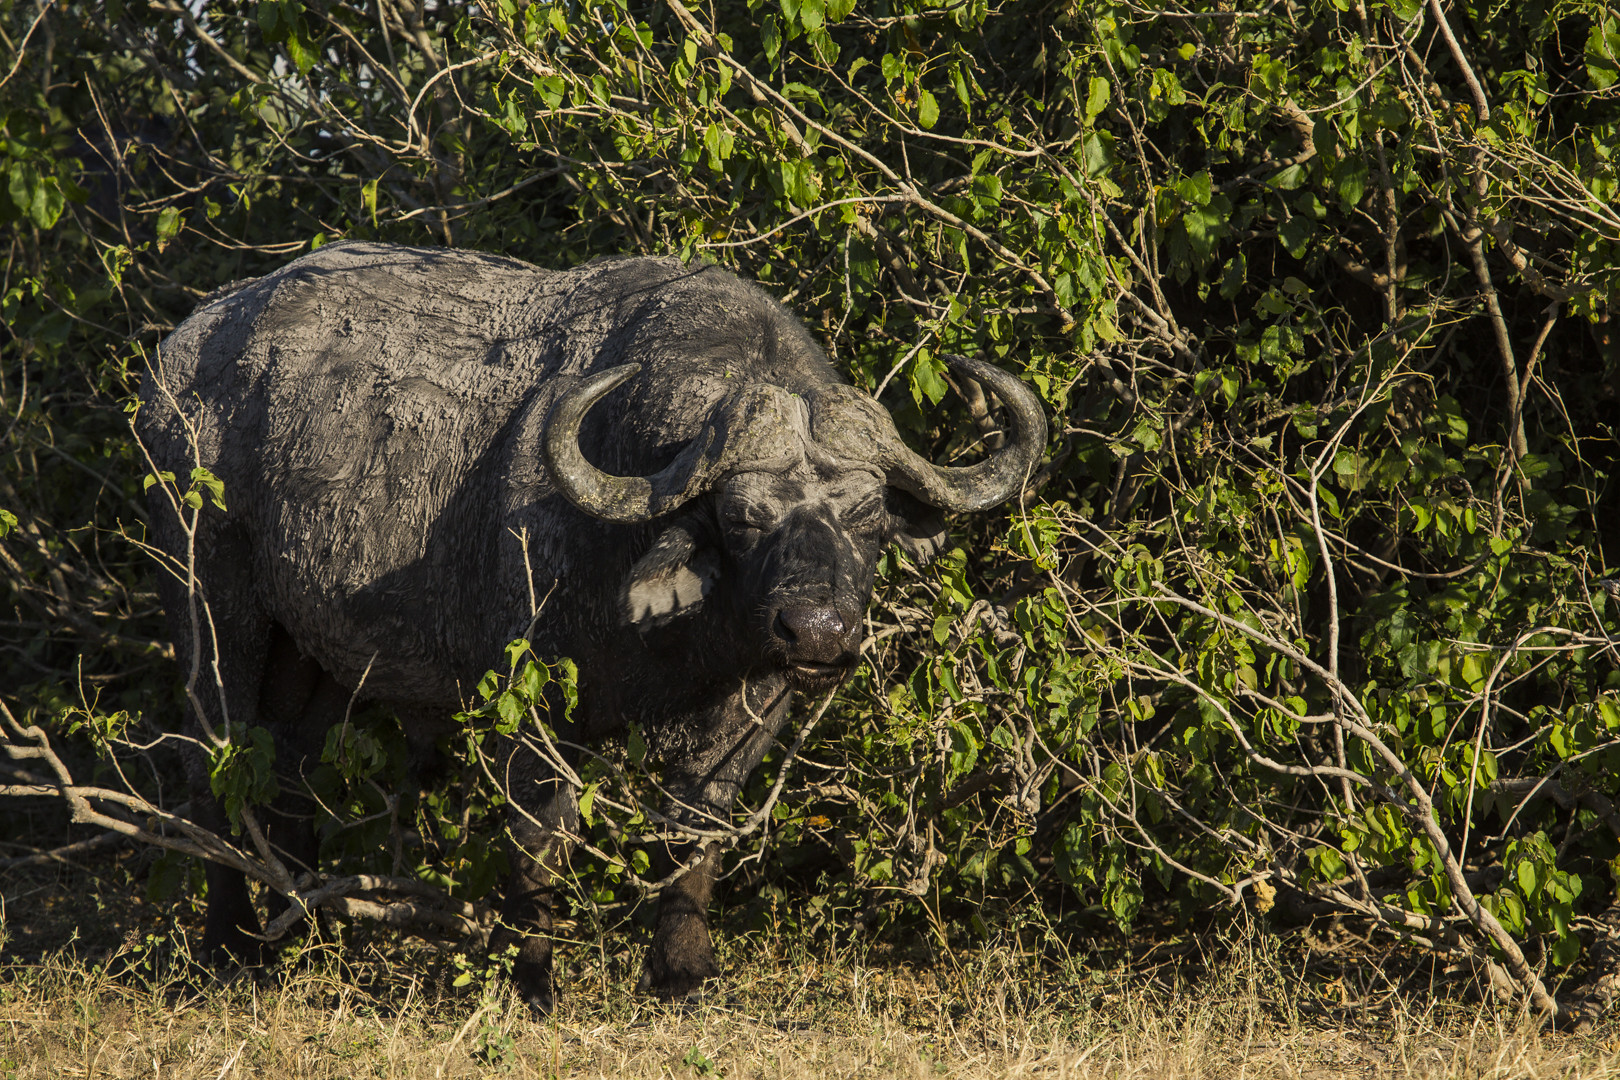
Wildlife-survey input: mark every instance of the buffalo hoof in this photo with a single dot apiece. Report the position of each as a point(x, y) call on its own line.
point(680, 961)
point(534, 986)
point(239, 950)
point(531, 967)
point(689, 988)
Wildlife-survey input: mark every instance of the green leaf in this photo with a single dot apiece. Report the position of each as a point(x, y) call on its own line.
point(770, 36)
point(927, 110)
point(959, 84)
point(47, 202)
point(798, 182)
point(532, 680)
point(168, 224)
point(300, 50)
point(812, 13)
point(510, 708)
point(488, 685)
point(987, 191)
point(927, 378)
point(1352, 185)
point(270, 22)
point(1167, 88)
point(825, 48)
point(1205, 227)
point(1507, 907)
point(568, 676)
point(1146, 435)
point(1527, 876)
point(1607, 708)
point(1603, 54)
point(550, 90)
point(1288, 179)
point(1295, 234)
point(1097, 97)
point(1097, 152)
point(201, 477)
point(8, 521)
point(1195, 189)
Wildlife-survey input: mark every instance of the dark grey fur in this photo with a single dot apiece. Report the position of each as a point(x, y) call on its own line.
point(377, 415)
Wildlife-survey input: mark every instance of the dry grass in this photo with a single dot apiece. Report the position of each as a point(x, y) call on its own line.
point(122, 1001)
point(61, 1020)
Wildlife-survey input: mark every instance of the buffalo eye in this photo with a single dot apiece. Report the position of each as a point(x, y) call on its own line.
point(746, 520)
point(871, 514)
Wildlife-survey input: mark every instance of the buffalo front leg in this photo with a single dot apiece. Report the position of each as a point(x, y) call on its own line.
point(703, 784)
point(543, 819)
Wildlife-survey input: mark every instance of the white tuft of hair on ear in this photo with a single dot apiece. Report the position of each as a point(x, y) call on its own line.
point(665, 595)
point(923, 540)
point(657, 598)
point(922, 549)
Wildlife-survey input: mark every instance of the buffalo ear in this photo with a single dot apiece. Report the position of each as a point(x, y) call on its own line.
point(919, 529)
point(672, 579)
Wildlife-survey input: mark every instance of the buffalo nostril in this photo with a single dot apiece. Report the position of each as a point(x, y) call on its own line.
point(815, 635)
point(810, 622)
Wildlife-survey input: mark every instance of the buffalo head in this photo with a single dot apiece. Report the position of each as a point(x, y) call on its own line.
point(800, 495)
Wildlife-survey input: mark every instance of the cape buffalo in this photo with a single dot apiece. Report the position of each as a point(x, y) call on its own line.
point(415, 444)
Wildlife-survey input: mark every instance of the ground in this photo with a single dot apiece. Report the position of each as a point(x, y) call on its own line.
point(95, 982)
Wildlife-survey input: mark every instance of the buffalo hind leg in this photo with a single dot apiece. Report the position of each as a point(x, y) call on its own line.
point(702, 786)
point(296, 703)
point(229, 669)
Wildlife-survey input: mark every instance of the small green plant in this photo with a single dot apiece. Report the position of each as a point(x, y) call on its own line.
point(494, 1047)
point(492, 1044)
point(699, 1063)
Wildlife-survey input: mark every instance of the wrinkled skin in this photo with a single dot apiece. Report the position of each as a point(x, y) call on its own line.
point(379, 418)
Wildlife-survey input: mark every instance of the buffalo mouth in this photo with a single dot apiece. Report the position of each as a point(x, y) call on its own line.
point(816, 676)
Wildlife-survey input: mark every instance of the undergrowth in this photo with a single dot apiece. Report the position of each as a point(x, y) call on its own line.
point(94, 983)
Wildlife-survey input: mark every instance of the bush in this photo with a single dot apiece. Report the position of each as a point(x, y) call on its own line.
point(1305, 607)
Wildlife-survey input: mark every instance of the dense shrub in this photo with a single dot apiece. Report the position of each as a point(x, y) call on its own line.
point(1306, 605)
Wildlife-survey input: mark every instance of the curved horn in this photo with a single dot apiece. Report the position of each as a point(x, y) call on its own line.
point(976, 487)
point(622, 499)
